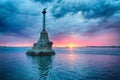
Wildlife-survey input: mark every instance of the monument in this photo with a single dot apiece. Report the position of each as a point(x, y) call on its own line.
point(43, 46)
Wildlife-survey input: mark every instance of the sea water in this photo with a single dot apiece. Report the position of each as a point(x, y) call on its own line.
point(67, 64)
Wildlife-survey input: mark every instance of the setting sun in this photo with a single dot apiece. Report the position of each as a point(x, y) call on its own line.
point(71, 45)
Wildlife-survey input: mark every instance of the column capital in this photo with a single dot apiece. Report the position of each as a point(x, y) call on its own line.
point(44, 11)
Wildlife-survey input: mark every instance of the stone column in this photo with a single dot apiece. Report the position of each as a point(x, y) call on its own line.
point(43, 46)
point(44, 12)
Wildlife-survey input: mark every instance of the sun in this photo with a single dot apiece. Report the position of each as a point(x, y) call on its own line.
point(71, 45)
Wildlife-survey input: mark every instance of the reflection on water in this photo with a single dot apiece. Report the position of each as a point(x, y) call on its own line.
point(76, 64)
point(41, 66)
point(86, 67)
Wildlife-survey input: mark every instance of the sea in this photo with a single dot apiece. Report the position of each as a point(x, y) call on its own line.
point(68, 64)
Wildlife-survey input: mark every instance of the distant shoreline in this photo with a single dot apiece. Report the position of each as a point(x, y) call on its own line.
point(64, 47)
point(103, 46)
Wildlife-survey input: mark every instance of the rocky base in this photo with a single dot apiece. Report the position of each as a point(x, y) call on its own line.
point(40, 52)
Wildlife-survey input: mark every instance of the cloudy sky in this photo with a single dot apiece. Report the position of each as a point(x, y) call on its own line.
point(68, 22)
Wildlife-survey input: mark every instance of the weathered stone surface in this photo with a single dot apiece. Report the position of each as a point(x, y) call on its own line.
point(40, 53)
point(43, 47)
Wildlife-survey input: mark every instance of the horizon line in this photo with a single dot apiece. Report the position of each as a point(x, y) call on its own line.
point(66, 46)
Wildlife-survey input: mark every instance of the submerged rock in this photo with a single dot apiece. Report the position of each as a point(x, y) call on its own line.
point(40, 52)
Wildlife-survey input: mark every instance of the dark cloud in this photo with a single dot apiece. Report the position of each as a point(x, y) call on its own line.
point(64, 17)
point(103, 8)
point(15, 22)
point(9, 6)
point(102, 26)
point(43, 1)
point(13, 8)
point(8, 23)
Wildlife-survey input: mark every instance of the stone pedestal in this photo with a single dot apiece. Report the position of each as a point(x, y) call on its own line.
point(43, 47)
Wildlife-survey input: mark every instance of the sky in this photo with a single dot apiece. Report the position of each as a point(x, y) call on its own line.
point(68, 22)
